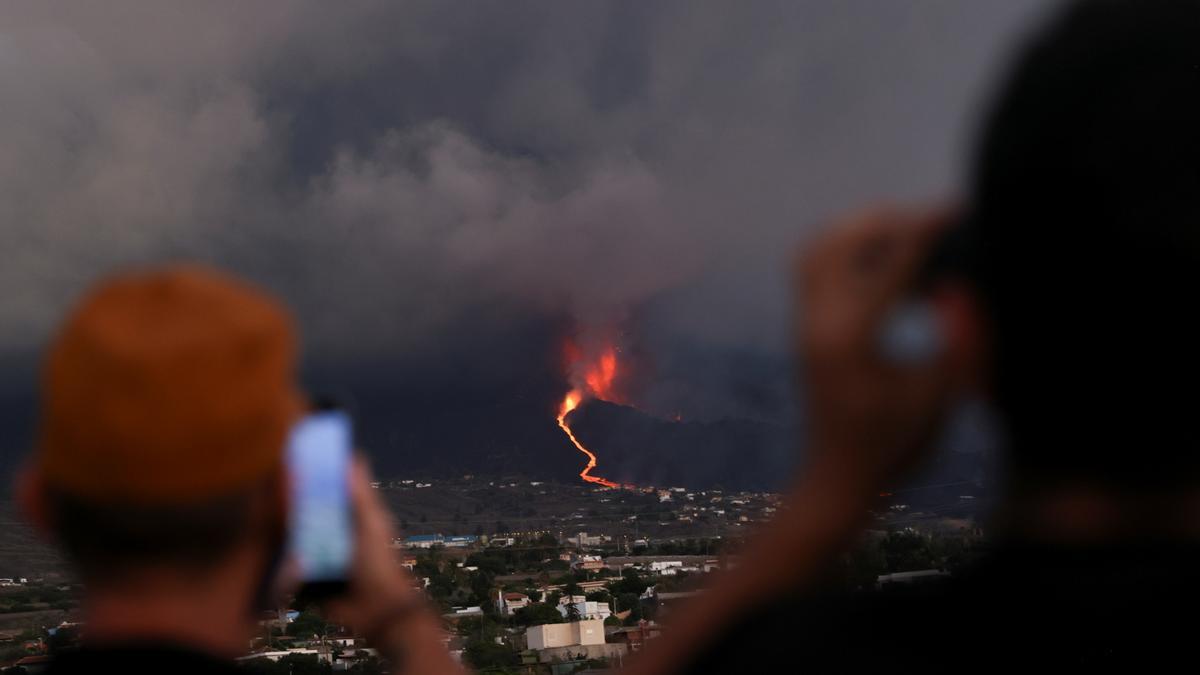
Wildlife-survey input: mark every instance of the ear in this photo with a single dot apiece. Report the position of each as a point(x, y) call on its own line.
point(283, 494)
point(275, 499)
point(32, 498)
point(966, 333)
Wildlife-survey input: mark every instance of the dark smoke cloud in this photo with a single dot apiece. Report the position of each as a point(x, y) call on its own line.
point(417, 178)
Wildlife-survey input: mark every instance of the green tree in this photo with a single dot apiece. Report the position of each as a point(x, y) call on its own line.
point(632, 603)
point(573, 614)
point(906, 551)
point(864, 565)
point(479, 627)
point(631, 582)
point(305, 664)
point(488, 655)
point(292, 664)
point(536, 614)
point(307, 624)
point(490, 562)
point(365, 664)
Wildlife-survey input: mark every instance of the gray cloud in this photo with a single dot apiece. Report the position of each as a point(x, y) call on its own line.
point(391, 167)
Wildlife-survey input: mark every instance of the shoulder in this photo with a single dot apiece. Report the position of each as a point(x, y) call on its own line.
point(1021, 605)
point(142, 658)
point(838, 628)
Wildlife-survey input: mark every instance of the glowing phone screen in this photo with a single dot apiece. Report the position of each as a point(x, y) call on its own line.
point(320, 529)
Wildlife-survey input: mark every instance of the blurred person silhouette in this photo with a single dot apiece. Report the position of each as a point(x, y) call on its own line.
point(1062, 289)
point(166, 399)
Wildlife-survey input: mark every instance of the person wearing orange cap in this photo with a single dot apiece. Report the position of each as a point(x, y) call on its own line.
point(166, 400)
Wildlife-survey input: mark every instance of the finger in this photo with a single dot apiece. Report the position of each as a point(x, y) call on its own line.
point(288, 580)
point(824, 262)
point(878, 256)
point(859, 247)
point(909, 240)
point(373, 518)
point(356, 479)
point(340, 611)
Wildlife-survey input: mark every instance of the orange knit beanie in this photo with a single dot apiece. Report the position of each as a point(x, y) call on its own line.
point(170, 385)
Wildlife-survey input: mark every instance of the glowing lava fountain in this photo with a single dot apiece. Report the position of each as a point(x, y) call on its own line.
point(570, 402)
point(598, 382)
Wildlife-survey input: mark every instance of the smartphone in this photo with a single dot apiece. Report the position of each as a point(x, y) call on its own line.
point(320, 535)
point(911, 333)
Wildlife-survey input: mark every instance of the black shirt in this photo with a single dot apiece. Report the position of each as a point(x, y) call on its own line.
point(135, 659)
point(1024, 607)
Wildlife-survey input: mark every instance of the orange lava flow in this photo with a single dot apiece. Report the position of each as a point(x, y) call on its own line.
point(570, 402)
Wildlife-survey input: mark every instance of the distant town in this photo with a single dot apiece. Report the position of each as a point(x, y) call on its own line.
point(530, 576)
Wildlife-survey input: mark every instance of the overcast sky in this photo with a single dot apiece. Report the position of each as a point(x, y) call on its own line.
point(425, 181)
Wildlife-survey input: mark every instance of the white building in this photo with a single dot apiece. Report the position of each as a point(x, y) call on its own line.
point(325, 656)
point(507, 603)
point(582, 539)
point(431, 540)
point(588, 562)
point(914, 577)
point(551, 635)
point(666, 567)
point(586, 608)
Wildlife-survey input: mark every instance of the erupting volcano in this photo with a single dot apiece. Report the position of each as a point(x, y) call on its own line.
point(597, 383)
